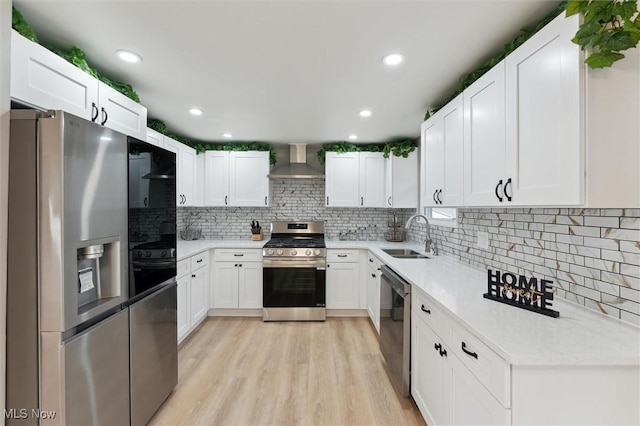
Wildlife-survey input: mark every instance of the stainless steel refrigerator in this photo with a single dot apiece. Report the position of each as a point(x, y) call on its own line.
point(68, 321)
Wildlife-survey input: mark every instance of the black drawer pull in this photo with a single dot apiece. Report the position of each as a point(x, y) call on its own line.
point(238, 255)
point(199, 261)
point(425, 309)
point(342, 255)
point(443, 352)
point(371, 260)
point(506, 194)
point(464, 349)
point(437, 346)
point(499, 186)
point(193, 276)
point(373, 275)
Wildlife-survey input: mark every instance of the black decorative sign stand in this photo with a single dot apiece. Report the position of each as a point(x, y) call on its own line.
point(529, 294)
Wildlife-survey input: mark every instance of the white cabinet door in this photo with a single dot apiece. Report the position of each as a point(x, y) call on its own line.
point(186, 175)
point(402, 181)
point(373, 296)
point(183, 302)
point(545, 148)
point(43, 79)
point(372, 179)
point(432, 160)
point(216, 178)
point(250, 285)
point(120, 113)
point(452, 153)
point(139, 165)
point(248, 181)
point(470, 402)
point(428, 370)
point(225, 285)
point(198, 296)
point(343, 286)
point(155, 138)
point(341, 181)
point(484, 139)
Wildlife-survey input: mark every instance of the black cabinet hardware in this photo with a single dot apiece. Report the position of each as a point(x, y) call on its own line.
point(371, 260)
point(438, 196)
point(238, 254)
point(425, 309)
point(94, 112)
point(362, 201)
point(265, 201)
point(468, 352)
point(373, 275)
point(226, 199)
point(236, 265)
point(437, 346)
point(240, 265)
point(199, 261)
point(443, 352)
point(327, 200)
point(389, 201)
point(193, 275)
point(434, 196)
point(105, 116)
point(145, 201)
point(506, 185)
point(499, 185)
point(342, 255)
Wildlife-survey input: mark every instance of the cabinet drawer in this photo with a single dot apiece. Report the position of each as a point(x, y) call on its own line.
point(425, 308)
point(231, 255)
point(183, 267)
point(342, 255)
point(373, 262)
point(199, 260)
point(492, 371)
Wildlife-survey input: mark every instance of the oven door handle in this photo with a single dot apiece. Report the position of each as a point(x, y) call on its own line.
point(320, 265)
point(154, 265)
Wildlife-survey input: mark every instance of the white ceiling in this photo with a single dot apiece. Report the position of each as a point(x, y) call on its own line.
point(286, 71)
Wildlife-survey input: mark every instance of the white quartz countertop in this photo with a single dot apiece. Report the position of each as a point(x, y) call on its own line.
point(578, 337)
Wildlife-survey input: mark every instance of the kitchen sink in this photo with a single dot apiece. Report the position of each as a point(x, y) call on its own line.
point(404, 254)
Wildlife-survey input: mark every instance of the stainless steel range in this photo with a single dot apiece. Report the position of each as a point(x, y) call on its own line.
point(294, 276)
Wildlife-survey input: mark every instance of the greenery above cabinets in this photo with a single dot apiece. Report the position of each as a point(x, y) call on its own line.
point(609, 27)
point(73, 55)
point(399, 148)
point(160, 127)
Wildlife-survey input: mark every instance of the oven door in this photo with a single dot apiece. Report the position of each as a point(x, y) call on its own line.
point(294, 284)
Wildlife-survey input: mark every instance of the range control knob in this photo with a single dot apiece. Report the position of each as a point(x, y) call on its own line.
point(279, 252)
point(294, 252)
point(270, 252)
point(163, 254)
point(147, 254)
point(139, 253)
point(316, 252)
point(308, 252)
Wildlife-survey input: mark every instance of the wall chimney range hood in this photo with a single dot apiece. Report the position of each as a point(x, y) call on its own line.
point(298, 167)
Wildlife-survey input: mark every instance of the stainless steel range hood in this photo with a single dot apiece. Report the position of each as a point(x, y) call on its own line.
point(298, 167)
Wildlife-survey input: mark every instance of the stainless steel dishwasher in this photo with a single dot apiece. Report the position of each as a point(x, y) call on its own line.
point(395, 328)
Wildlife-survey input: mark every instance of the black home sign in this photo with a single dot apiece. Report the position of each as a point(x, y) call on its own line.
point(517, 290)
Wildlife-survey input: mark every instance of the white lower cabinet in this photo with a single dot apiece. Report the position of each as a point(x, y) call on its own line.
point(343, 280)
point(446, 389)
point(371, 278)
point(193, 279)
point(237, 279)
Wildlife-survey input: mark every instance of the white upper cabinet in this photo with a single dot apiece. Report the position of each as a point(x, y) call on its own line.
point(155, 138)
point(42, 79)
point(545, 148)
point(355, 179)
point(236, 178)
point(248, 181)
point(484, 139)
point(402, 181)
point(185, 172)
point(342, 177)
point(442, 156)
point(372, 179)
point(216, 178)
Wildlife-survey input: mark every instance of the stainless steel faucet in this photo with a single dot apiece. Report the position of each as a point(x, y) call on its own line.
point(428, 242)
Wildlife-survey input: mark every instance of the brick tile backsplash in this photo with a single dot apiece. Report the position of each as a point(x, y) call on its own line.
point(592, 255)
point(291, 200)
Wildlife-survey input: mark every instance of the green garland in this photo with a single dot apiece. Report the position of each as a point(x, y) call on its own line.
point(160, 127)
point(74, 55)
point(609, 27)
point(398, 147)
point(525, 35)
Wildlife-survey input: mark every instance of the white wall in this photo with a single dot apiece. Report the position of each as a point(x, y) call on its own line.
point(5, 70)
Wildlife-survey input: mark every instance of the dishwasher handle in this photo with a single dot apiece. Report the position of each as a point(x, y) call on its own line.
point(397, 283)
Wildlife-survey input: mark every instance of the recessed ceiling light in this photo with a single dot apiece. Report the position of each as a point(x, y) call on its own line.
point(353, 137)
point(393, 59)
point(365, 113)
point(127, 56)
point(227, 135)
point(195, 111)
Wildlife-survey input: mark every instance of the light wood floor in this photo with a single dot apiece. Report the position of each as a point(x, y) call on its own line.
point(247, 372)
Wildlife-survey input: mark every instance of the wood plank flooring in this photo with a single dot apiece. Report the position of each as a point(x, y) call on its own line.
point(242, 371)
